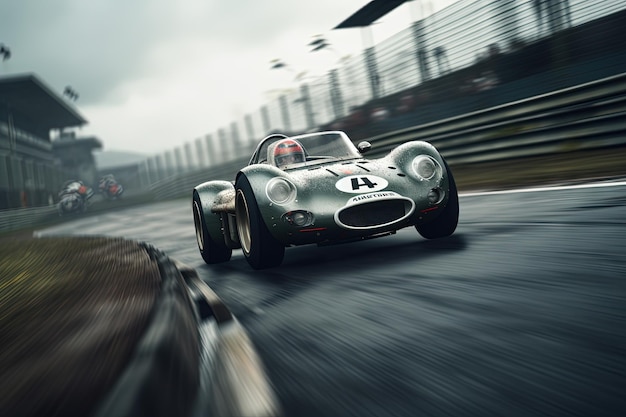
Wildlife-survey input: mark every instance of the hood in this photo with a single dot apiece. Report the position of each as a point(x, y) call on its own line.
point(338, 182)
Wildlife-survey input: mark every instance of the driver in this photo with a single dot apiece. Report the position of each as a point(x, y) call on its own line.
point(288, 152)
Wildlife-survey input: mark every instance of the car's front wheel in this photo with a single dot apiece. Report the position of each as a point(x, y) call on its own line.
point(259, 247)
point(445, 224)
point(212, 252)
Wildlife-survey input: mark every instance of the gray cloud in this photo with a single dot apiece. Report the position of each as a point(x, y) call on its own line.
point(125, 56)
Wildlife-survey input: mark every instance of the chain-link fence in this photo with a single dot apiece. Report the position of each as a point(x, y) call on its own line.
point(437, 67)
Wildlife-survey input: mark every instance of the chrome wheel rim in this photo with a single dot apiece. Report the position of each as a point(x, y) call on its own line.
point(243, 222)
point(198, 224)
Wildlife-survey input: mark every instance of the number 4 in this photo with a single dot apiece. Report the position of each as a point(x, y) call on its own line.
point(365, 183)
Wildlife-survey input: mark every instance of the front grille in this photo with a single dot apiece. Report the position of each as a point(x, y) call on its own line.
point(374, 214)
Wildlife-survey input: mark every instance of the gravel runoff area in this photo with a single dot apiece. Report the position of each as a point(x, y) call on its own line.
point(73, 309)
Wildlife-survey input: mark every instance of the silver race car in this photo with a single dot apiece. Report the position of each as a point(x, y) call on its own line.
point(319, 188)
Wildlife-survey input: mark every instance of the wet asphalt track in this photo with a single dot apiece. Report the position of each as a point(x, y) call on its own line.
point(521, 313)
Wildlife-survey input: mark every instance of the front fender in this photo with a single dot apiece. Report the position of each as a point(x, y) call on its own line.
point(208, 194)
point(259, 175)
point(402, 157)
point(403, 154)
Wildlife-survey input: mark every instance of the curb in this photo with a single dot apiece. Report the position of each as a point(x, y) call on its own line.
point(194, 359)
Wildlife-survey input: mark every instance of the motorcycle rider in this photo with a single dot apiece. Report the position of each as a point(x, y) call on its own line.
point(76, 186)
point(73, 196)
point(109, 186)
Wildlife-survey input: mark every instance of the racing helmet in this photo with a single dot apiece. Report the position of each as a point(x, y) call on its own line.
point(288, 152)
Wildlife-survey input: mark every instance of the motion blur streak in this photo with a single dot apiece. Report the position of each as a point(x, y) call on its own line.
point(520, 313)
point(242, 387)
point(553, 188)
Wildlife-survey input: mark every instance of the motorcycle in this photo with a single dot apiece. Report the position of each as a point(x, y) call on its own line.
point(74, 198)
point(110, 188)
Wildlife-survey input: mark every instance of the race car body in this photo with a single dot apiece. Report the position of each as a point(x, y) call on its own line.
point(318, 188)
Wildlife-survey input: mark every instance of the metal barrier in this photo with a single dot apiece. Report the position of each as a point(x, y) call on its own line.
point(589, 116)
point(582, 117)
point(182, 185)
point(16, 219)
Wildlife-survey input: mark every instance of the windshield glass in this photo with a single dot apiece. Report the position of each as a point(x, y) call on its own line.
point(318, 147)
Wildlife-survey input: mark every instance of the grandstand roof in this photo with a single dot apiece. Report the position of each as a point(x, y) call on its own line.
point(369, 13)
point(29, 96)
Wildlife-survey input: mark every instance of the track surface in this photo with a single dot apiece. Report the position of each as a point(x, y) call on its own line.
point(521, 313)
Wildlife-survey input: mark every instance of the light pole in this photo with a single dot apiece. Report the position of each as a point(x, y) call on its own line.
point(336, 98)
point(5, 51)
point(319, 43)
point(70, 93)
point(282, 99)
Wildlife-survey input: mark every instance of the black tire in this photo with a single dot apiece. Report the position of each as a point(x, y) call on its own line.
point(212, 252)
point(445, 224)
point(257, 244)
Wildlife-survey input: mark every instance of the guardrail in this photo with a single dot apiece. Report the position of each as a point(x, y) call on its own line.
point(588, 116)
point(582, 117)
point(15, 219)
point(181, 185)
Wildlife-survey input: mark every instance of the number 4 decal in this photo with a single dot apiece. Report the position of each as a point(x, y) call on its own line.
point(366, 183)
point(356, 184)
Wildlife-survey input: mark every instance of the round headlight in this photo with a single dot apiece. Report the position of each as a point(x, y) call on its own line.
point(299, 218)
point(425, 167)
point(434, 196)
point(280, 191)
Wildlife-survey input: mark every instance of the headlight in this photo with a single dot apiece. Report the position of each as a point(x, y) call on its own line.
point(425, 167)
point(299, 218)
point(280, 191)
point(435, 195)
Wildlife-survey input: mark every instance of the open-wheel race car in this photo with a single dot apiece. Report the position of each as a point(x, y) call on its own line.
point(318, 188)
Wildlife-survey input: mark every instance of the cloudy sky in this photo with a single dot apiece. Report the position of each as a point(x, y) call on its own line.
point(154, 74)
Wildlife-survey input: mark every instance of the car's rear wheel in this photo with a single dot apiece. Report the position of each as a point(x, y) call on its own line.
point(212, 252)
point(259, 247)
point(445, 224)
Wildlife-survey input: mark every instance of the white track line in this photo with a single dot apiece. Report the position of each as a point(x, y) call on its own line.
point(555, 188)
